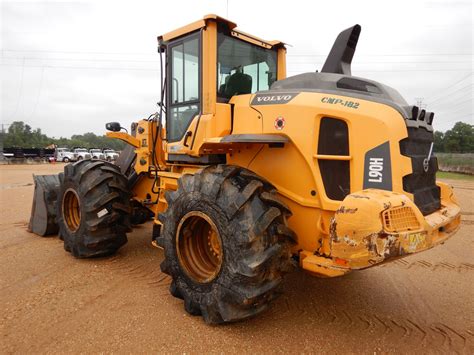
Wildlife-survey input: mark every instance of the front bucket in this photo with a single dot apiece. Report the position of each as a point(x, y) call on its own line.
point(43, 213)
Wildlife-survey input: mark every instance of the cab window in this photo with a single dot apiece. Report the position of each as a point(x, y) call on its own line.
point(184, 86)
point(243, 68)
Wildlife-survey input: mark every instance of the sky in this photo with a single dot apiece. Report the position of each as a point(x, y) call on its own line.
point(70, 67)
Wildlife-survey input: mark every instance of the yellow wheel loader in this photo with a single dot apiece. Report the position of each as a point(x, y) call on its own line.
point(246, 173)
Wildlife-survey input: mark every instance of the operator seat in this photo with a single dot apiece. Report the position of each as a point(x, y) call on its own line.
point(239, 83)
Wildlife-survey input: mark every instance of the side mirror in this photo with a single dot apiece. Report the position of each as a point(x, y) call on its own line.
point(113, 126)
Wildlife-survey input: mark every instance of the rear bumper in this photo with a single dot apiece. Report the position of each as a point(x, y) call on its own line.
point(375, 226)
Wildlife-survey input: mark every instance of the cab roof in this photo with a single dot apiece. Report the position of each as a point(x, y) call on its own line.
point(231, 26)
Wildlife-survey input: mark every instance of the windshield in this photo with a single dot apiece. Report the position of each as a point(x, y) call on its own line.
point(81, 150)
point(243, 68)
point(109, 151)
point(95, 150)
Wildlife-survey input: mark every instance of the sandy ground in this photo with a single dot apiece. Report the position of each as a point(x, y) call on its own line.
point(51, 302)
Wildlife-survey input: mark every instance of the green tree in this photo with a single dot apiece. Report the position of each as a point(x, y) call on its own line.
point(438, 142)
point(15, 135)
point(459, 139)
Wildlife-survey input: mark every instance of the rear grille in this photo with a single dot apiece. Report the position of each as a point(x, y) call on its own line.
point(400, 219)
point(421, 183)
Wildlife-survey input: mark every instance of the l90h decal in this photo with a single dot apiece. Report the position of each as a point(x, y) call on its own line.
point(378, 168)
point(272, 99)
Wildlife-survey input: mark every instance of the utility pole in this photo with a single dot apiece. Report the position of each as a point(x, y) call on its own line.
point(419, 102)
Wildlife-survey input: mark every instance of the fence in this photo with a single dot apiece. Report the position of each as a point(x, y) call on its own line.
point(456, 163)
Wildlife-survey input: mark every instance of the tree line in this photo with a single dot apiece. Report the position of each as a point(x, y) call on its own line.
point(21, 135)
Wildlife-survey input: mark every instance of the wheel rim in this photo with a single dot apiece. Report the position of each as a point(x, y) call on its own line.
point(199, 247)
point(71, 210)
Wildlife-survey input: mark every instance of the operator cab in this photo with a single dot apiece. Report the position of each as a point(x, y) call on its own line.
point(209, 62)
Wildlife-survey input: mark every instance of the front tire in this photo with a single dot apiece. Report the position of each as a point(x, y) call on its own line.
point(93, 209)
point(226, 242)
point(66, 160)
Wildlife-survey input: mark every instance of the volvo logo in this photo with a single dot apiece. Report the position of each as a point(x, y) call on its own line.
point(272, 99)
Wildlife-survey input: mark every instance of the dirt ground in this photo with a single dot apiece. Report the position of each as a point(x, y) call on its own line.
point(51, 302)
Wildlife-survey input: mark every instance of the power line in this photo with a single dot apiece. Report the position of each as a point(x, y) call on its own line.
point(393, 70)
point(75, 52)
point(459, 118)
point(446, 92)
point(450, 112)
point(90, 68)
point(451, 99)
point(452, 85)
point(393, 62)
point(455, 103)
point(450, 105)
point(447, 107)
point(387, 55)
point(85, 60)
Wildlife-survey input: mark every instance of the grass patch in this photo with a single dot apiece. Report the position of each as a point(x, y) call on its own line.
point(454, 176)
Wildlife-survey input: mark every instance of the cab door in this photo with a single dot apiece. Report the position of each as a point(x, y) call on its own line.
point(184, 85)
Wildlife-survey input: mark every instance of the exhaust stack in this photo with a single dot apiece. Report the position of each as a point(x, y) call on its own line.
point(340, 58)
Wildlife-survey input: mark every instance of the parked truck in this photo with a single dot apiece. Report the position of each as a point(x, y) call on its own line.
point(110, 154)
point(64, 154)
point(81, 153)
point(96, 153)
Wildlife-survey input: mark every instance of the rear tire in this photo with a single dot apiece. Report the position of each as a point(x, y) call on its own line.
point(66, 160)
point(236, 271)
point(93, 209)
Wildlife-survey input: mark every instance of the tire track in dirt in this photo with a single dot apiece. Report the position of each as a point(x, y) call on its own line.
point(423, 264)
point(14, 185)
point(140, 268)
point(7, 226)
point(281, 308)
point(433, 335)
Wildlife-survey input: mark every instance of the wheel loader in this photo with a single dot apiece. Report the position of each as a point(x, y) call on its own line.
point(246, 173)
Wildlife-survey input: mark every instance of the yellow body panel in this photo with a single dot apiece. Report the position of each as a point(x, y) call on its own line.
point(124, 137)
